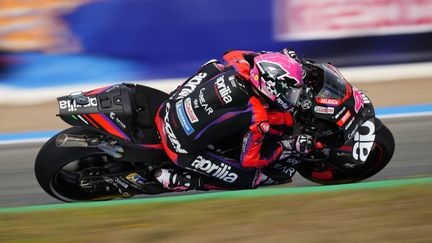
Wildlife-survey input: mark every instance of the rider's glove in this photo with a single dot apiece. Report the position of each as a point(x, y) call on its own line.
point(302, 144)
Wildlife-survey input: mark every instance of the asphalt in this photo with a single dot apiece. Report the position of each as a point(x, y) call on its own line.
point(412, 158)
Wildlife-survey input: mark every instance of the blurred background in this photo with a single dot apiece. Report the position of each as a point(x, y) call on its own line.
point(46, 43)
point(50, 48)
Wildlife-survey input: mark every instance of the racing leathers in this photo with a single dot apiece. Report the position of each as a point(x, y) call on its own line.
point(215, 104)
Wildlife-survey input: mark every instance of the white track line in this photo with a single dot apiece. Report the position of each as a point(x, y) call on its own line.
point(406, 115)
point(22, 141)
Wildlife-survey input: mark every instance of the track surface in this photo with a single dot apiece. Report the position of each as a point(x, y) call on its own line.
point(412, 158)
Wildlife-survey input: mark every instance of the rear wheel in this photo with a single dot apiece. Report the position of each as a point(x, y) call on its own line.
point(380, 155)
point(59, 170)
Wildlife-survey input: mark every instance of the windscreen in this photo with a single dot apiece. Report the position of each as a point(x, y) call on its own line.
point(334, 85)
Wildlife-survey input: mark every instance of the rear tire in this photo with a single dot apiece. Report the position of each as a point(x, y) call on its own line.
point(51, 161)
point(380, 155)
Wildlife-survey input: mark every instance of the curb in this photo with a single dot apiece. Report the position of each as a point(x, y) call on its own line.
point(227, 194)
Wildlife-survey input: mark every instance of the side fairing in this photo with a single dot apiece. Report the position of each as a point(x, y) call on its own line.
point(108, 110)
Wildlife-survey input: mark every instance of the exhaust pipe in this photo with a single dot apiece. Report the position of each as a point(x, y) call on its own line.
point(70, 140)
point(83, 141)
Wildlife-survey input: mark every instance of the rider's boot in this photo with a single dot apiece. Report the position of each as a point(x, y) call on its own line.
point(279, 172)
point(267, 181)
point(175, 180)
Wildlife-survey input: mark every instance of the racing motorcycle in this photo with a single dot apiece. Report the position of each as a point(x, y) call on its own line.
point(114, 137)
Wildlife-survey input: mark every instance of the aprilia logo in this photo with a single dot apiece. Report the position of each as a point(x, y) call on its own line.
point(71, 105)
point(191, 85)
point(364, 139)
point(171, 136)
point(223, 90)
point(222, 172)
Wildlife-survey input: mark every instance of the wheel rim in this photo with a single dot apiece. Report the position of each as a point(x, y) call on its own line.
point(62, 187)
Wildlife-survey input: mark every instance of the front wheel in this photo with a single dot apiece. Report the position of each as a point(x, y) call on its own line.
point(380, 155)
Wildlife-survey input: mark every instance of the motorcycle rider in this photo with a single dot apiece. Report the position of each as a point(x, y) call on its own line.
point(247, 95)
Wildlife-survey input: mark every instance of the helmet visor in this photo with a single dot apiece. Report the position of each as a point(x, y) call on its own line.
point(292, 95)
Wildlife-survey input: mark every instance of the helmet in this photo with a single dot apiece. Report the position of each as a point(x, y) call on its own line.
point(279, 78)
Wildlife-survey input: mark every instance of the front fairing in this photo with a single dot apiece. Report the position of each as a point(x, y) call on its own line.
point(345, 108)
point(340, 103)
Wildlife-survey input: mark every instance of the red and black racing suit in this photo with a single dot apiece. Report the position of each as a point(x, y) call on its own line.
point(216, 103)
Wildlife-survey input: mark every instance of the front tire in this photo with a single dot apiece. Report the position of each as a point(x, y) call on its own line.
point(380, 155)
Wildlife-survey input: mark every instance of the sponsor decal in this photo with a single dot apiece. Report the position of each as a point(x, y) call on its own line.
point(340, 112)
point(191, 85)
point(232, 80)
point(293, 160)
point(286, 169)
point(327, 101)
point(324, 110)
point(358, 99)
point(363, 139)
point(181, 114)
point(120, 182)
point(134, 177)
point(71, 105)
point(353, 131)
point(170, 133)
point(189, 110)
point(195, 103)
point(203, 103)
point(344, 118)
point(222, 171)
point(349, 123)
point(119, 123)
point(264, 127)
point(223, 91)
point(282, 103)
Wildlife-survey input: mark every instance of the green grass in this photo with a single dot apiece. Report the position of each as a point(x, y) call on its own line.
point(401, 214)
